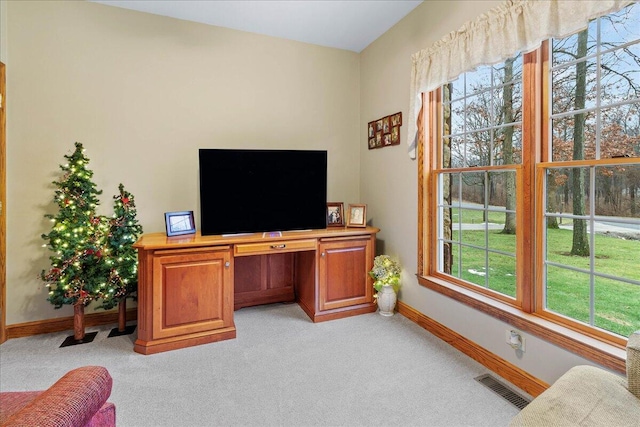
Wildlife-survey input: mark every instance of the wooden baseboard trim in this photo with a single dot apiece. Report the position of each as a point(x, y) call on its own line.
point(503, 368)
point(65, 323)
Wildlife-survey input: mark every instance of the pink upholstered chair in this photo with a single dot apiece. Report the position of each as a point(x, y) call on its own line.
point(77, 399)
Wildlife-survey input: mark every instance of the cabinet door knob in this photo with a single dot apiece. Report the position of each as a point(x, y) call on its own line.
point(227, 264)
point(322, 254)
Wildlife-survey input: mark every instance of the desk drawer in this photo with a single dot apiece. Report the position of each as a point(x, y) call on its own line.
point(246, 249)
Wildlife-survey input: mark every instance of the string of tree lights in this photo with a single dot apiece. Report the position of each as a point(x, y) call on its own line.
point(92, 258)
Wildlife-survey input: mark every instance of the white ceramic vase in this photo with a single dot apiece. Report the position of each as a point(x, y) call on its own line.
point(386, 300)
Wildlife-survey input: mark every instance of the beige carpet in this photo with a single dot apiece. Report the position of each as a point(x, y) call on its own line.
point(281, 370)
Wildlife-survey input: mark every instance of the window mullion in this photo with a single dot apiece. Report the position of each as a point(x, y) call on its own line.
point(533, 126)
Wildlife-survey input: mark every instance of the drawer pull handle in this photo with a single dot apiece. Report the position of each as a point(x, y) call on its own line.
point(278, 246)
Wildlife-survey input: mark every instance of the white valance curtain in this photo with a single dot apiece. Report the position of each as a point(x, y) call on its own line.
point(515, 26)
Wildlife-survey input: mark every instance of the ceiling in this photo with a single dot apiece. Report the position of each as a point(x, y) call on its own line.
point(347, 24)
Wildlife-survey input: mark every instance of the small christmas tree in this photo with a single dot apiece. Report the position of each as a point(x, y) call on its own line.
point(76, 239)
point(122, 259)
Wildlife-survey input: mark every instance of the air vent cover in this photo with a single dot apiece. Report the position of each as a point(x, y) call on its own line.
point(503, 391)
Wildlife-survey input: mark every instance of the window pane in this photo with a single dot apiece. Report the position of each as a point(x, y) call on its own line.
point(473, 265)
point(620, 75)
point(620, 131)
point(480, 148)
point(569, 92)
point(500, 241)
point(508, 71)
point(567, 237)
point(565, 139)
point(456, 180)
point(559, 247)
point(557, 195)
point(479, 227)
point(451, 267)
point(478, 112)
point(502, 192)
point(568, 191)
point(620, 27)
point(618, 191)
point(479, 79)
point(502, 274)
point(502, 211)
point(457, 117)
point(580, 252)
point(567, 49)
point(568, 293)
point(458, 152)
point(472, 226)
point(447, 180)
point(616, 306)
point(508, 145)
point(507, 104)
point(473, 188)
point(615, 254)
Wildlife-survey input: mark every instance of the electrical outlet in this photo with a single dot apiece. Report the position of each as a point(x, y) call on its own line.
point(515, 339)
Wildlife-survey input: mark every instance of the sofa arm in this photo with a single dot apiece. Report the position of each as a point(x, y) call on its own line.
point(633, 364)
point(71, 401)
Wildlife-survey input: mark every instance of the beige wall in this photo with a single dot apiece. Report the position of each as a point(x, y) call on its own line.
point(143, 93)
point(389, 181)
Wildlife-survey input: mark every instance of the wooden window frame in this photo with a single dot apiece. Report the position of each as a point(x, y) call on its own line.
point(526, 312)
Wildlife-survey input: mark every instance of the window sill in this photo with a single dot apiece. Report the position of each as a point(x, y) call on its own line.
point(602, 353)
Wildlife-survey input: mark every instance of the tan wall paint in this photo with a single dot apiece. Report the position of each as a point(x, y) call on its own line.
point(389, 181)
point(143, 93)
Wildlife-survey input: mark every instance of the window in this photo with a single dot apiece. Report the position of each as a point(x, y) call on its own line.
point(481, 136)
point(531, 182)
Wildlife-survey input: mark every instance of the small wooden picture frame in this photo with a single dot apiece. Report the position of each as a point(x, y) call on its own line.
point(371, 129)
point(335, 214)
point(357, 216)
point(395, 134)
point(386, 125)
point(179, 223)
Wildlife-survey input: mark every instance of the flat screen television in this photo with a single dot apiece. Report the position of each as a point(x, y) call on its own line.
point(248, 191)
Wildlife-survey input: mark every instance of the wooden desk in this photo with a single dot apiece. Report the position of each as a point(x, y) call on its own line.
point(189, 286)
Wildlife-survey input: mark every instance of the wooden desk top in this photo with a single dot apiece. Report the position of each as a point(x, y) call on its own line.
point(151, 241)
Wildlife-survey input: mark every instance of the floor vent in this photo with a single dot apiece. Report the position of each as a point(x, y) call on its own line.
point(503, 391)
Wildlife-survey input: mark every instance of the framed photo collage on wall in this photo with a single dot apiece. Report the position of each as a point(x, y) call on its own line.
point(384, 132)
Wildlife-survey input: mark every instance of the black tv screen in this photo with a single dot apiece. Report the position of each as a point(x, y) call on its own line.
point(248, 191)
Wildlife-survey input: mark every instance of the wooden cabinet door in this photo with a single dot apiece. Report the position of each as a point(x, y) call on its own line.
point(192, 292)
point(343, 273)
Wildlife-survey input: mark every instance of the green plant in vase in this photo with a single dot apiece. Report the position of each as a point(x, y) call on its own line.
point(386, 271)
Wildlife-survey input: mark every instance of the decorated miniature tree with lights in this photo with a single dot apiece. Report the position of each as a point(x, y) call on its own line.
point(121, 260)
point(77, 271)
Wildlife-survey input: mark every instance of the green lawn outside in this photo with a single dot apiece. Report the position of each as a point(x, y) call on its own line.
point(617, 304)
